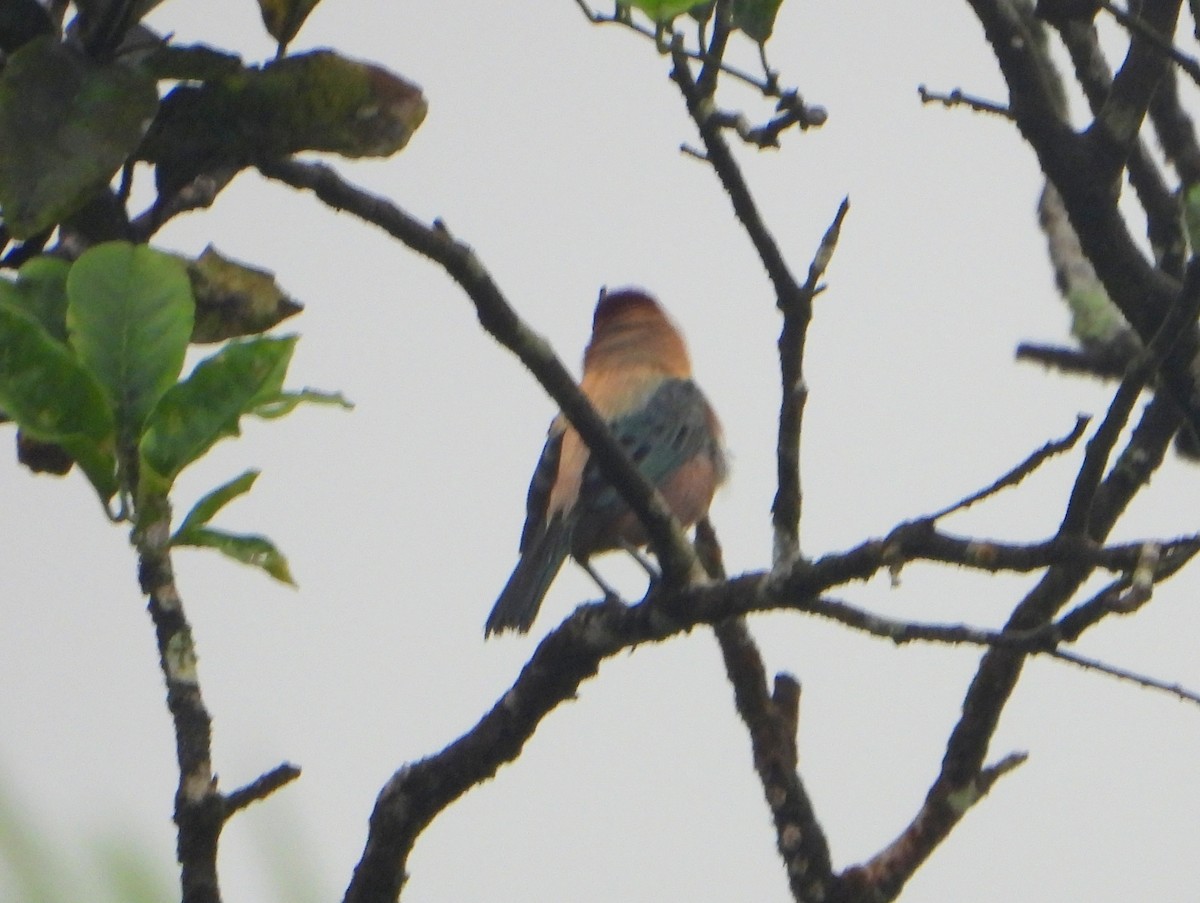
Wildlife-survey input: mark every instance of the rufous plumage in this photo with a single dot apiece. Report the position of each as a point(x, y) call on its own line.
point(638, 376)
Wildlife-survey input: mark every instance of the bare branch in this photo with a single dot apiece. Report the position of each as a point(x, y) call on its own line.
point(772, 720)
point(199, 807)
point(1138, 26)
point(957, 97)
point(198, 194)
point(886, 873)
point(260, 788)
point(785, 510)
point(1142, 680)
point(1022, 470)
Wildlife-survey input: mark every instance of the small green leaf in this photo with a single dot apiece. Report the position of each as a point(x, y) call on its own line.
point(286, 402)
point(257, 551)
point(41, 291)
point(206, 509)
point(129, 317)
point(283, 18)
point(233, 299)
point(68, 124)
point(53, 398)
point(661, 10)
point(755, 17)
point(207, 406)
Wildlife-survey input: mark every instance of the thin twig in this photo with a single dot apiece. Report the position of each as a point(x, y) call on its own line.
point(768, 87)
point(786, 507)
point(883, 876)
point(1187, 63)
point(1104, 363)
point(1022, 470)
point(959, 98)
point(1099, 448)
point(1142, 680)
point(260, 788)
point(198, 194)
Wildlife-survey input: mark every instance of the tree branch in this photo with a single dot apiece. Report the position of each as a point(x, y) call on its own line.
point(772, 721)
point(199, 808)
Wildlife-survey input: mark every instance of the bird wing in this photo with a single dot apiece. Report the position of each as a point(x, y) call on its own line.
point(540, 485)
point(671, 428)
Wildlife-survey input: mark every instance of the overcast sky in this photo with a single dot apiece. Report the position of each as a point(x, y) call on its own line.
point(552, 147)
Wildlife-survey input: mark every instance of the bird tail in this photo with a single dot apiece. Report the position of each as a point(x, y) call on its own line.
point(522, 596)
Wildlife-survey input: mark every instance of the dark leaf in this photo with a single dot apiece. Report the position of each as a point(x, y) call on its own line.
point(315, 101)
point(68, 126)
point(233, 299)
point(755, 17)
point(283, 18)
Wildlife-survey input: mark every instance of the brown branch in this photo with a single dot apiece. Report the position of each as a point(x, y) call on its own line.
point(792, 298)
point(1181, 316)
point(573, 652)
point(1175, 129)
point(197, 194)
point(886, 873)
point(199, 807)
point(957, 97)
point(497, 316)
point(1022, 470)
point(963, 777)
point(1163, 224)
point(1138, 26)
point(1084, 167)
point(772, 721)
point(260, 788)
point(1102, 363)
point(1183, 694)
point(786, 508)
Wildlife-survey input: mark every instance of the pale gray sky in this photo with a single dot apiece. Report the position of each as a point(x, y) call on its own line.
point(552, 147)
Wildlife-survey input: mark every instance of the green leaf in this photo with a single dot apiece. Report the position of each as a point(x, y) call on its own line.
point(206, 509)
point(283, 18)
point(661, 10)
point(755, 17)
point(233, 299)
point(254, 550)
point(286, 402)
point(41, 292)
point(54, 399)
point(129, 317)
point(68, 124)
point(316, 101)
point(206, 407)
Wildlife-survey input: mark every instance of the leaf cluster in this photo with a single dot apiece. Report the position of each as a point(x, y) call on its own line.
point(80, 104)
point(91, 356)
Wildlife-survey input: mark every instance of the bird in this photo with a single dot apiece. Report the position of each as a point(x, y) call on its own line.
point(638, 376)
